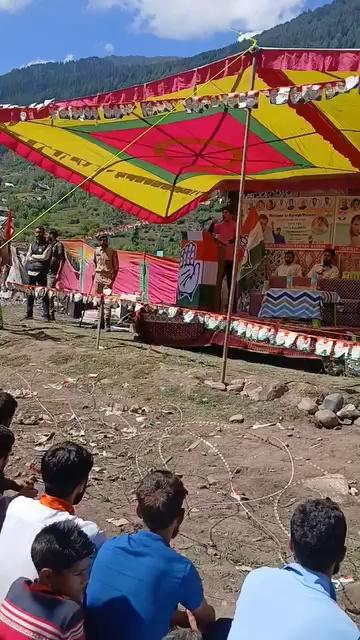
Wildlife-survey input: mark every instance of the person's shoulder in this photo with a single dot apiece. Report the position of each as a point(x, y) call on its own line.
point(22, 505)
point(89, 527)
point(262, 576)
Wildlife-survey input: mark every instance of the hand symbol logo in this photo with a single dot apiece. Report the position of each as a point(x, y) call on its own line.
point(189, 272)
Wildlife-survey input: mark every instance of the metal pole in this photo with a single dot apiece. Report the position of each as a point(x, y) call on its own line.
point(100, 322)
point(238, 226)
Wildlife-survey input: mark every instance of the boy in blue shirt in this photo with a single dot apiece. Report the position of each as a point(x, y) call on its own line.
point(138, 580)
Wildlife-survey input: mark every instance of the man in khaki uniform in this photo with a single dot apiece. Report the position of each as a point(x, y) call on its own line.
point(106, 267)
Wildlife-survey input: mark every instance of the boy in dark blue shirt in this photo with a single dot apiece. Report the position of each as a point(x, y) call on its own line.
point(138, 580)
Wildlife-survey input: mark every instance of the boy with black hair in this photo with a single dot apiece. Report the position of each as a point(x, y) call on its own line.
point(50, 607)
point(138, 580)
point(8, 406)
point(298, 602)
point(7, 440)
point(65, 471)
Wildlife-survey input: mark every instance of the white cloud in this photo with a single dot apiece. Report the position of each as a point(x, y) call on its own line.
point(185, 19)
point(37, 61)
point(69, 57)
point(109, 48)
point(13, 5)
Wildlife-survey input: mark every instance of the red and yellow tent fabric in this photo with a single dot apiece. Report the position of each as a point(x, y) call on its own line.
point(157, 150)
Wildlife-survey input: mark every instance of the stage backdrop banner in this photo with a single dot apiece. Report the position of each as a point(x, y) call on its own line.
point(347, 223)
point(302, 222)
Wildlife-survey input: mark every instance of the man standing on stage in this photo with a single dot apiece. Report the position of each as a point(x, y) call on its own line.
point(225, 232)
point(37, 266)
point(106, 267)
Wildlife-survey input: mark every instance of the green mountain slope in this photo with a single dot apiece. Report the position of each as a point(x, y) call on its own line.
point(336, 25)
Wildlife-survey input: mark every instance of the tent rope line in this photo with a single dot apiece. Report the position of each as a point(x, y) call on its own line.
point(250, 49)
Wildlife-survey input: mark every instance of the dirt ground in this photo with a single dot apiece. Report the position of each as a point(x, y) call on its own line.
point(243, 483)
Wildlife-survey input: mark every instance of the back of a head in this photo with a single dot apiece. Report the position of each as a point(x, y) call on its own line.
point(318, 534)
point(160, 497)
point(64, 467)
point(184, 634)
point(8, 406)
point(7, 440)
point(59, 546)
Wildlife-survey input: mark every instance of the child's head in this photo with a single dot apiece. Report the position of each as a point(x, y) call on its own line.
point(65, 471)
point(8, 407)
point(160, 498)
point(61, 555)
point(7, 440)
point(183, 634)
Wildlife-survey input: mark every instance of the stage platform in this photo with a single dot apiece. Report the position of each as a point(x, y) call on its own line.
point(185, 328)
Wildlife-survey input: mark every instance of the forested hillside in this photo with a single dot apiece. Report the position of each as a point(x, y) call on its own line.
point(336, 25)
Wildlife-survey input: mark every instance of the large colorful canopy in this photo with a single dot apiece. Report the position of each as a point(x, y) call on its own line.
point(157, 150)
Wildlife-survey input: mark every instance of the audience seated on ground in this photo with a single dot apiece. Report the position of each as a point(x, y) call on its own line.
point(137, 581)
point(7, 440)
point(8, 406)
point(298, 602)
point(50, 608)
point(65, 470)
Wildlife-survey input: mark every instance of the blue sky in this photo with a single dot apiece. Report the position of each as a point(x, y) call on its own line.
point(33, 30)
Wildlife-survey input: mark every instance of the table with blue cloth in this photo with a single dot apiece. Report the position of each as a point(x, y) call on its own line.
point(296, 304)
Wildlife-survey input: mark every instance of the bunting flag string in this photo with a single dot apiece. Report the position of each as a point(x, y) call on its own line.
point(251, 331)
point(291, 95)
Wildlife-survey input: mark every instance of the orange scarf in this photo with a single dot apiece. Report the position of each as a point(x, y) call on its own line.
point(57, 504)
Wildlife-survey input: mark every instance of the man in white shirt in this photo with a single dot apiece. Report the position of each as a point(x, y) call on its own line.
point(65, 471)
point(289, 268)
point(298, 601)
point(328, 269)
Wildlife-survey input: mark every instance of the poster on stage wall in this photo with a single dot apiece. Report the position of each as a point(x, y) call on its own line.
point(309, 221)
point(347, 222)
point(293, 221)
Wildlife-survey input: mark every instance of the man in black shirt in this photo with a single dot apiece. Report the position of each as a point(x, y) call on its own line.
point(37, 267)
point(57, 260)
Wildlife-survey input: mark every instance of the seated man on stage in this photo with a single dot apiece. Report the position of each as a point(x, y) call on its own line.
point(327, 269)
point(290, 268)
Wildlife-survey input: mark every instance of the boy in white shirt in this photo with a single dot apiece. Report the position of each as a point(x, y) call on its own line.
point(65, 471)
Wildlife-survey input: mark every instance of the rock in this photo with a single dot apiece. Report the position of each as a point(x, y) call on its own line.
point(307, 405)
point(239, 419)
point(30, 420)
point(238, 381)
point(333, 402)
point(252, 390)
point(273, 391)
point(135, 408)
point(219, 386)
point(349, 411)
point(326, 418)
point(236, 388)
point(357, 422)
point(334, 486)
point(346, 422)
point(353, 491)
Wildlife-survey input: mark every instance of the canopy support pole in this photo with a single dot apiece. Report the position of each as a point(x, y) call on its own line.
point(238, 226)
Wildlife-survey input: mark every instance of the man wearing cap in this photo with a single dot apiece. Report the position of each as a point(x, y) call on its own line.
point(106, 267)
